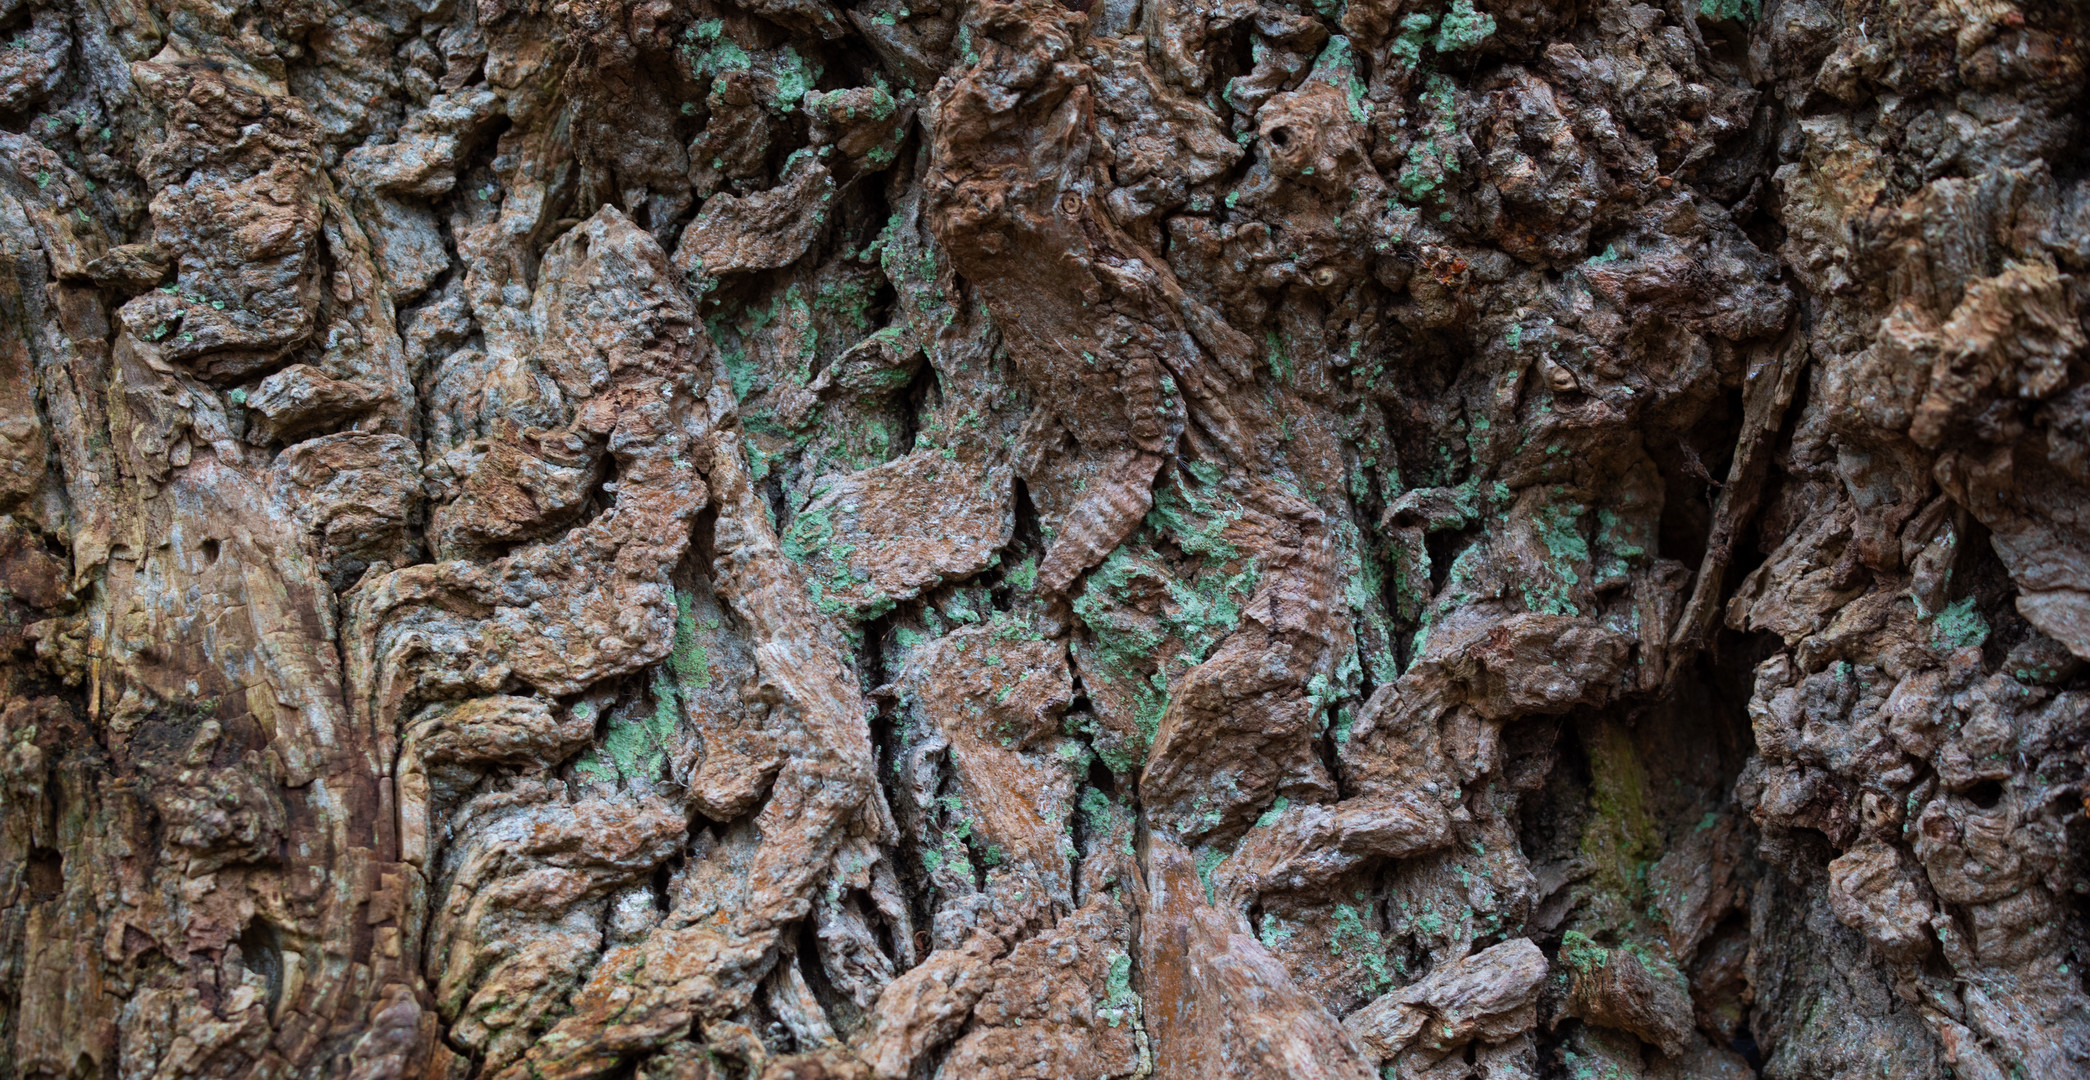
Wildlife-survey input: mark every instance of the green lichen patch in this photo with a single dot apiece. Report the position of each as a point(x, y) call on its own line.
point(1558, 526)
point(1150, 618)
point(1208, 860)
point(634, 749)
point(1352, 936)
point(1731, 10)
point(688, 658)
point(1413, 38)
point(709, 52)
point(1464, 28)
point(1432, 159)
point(1121, 1004)
point(1337, 67)
point(1582, 954)
point(794, 76)
point(1958, 626)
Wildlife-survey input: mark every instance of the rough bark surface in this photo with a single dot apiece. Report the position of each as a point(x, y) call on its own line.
point(761, 539)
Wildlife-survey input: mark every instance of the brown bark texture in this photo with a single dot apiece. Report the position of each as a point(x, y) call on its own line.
point(908, 539)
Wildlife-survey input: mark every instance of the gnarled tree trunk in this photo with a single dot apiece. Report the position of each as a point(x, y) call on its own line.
point(701, 539)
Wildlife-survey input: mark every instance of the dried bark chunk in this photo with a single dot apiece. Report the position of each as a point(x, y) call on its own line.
point(1491, 995)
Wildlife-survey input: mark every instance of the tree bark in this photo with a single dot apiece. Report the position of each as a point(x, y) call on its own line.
point(701, 539)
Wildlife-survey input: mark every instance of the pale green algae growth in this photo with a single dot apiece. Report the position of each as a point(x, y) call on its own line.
point(1620, 840)
point(1201, 608)
point(635, 747)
